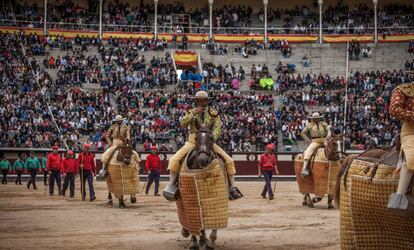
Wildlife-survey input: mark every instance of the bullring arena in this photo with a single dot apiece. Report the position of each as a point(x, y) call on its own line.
point(270, 124)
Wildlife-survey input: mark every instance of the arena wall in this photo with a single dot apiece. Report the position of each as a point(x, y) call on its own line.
point(246, 163)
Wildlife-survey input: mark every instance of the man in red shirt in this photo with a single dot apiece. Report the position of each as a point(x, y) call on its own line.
point(69, 169)
point(154, 168)
point(267, 163)
point(86, 163)
point(53, 163)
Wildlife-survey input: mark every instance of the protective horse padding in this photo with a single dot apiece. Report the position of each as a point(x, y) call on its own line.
point(306, 184)
point(129, 179)
point(203, 202)
point(323, 175)
point(365, 221)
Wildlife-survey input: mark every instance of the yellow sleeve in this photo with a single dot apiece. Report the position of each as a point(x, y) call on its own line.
point(187, 119)
point(109, 133)
point(128, 133)
point(217, 128)
point(305, 132)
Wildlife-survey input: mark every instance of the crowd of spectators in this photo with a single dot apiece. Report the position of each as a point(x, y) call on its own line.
point(125, 65)
point(38, 111)
point(30, 96)
point(123, 16)
point(411, 47)
point(248, 118)
point(409, 65)
point(368, 121)
point(219, 77)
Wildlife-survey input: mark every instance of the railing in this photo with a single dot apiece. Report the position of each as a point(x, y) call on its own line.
point(194, 29)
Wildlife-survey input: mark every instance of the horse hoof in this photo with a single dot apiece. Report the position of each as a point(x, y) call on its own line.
point(133, 200)
point(209, 246)
point(122, 205)
point(202, 242)
point(331, 207)
point(194, 248)
point(305, 204)
point(110, 202)
point(185, 233)
point(311, 206)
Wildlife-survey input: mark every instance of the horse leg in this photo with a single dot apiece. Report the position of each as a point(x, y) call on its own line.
point(184, 232)
point(203, 238)
point(330, 199)
point(309, 200)
point(211, 243)
point(316, 199)
point(110, 202)
point(305, 200)
point(133, 198)
point(194, 243)
point(121, 202)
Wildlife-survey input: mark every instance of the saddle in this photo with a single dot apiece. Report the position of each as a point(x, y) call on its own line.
point(389, 158)
point(309, 165)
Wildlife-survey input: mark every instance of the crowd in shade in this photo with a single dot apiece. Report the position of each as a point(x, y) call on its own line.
point(339, 18)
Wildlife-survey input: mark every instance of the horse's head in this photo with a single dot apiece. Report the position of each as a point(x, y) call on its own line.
point(125, 152)
point(204, 141)
point(333, 148)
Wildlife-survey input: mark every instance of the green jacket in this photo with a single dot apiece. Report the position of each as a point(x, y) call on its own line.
point(210, 115)
point(18, 165)
point(32, 163)
point(5, 164)
point(44, 159)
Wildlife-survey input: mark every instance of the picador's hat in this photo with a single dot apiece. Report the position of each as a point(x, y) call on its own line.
point(201, 95)
point(118, 118)
point(316, 115)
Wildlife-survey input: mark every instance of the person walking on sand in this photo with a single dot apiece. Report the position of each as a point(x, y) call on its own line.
point(268, 163)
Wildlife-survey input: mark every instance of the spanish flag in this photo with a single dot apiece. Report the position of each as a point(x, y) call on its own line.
point(185, 58)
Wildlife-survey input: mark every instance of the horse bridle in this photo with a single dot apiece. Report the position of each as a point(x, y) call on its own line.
point(210, 152)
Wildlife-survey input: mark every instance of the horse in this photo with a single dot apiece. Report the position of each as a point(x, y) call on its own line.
point(122, 174)
point(203, 187)
point(375, 153)
point(362, 192)
point(325, 165)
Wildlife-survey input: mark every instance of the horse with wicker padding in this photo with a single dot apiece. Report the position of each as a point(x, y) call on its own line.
point(122, 177)
point(363, 189)
point(204, 190)
point(324, 168)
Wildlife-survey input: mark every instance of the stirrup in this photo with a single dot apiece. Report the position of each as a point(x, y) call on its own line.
point(305, 172)
point(401, 204)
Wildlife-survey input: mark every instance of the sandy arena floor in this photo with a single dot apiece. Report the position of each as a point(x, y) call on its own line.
point(29, 220)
